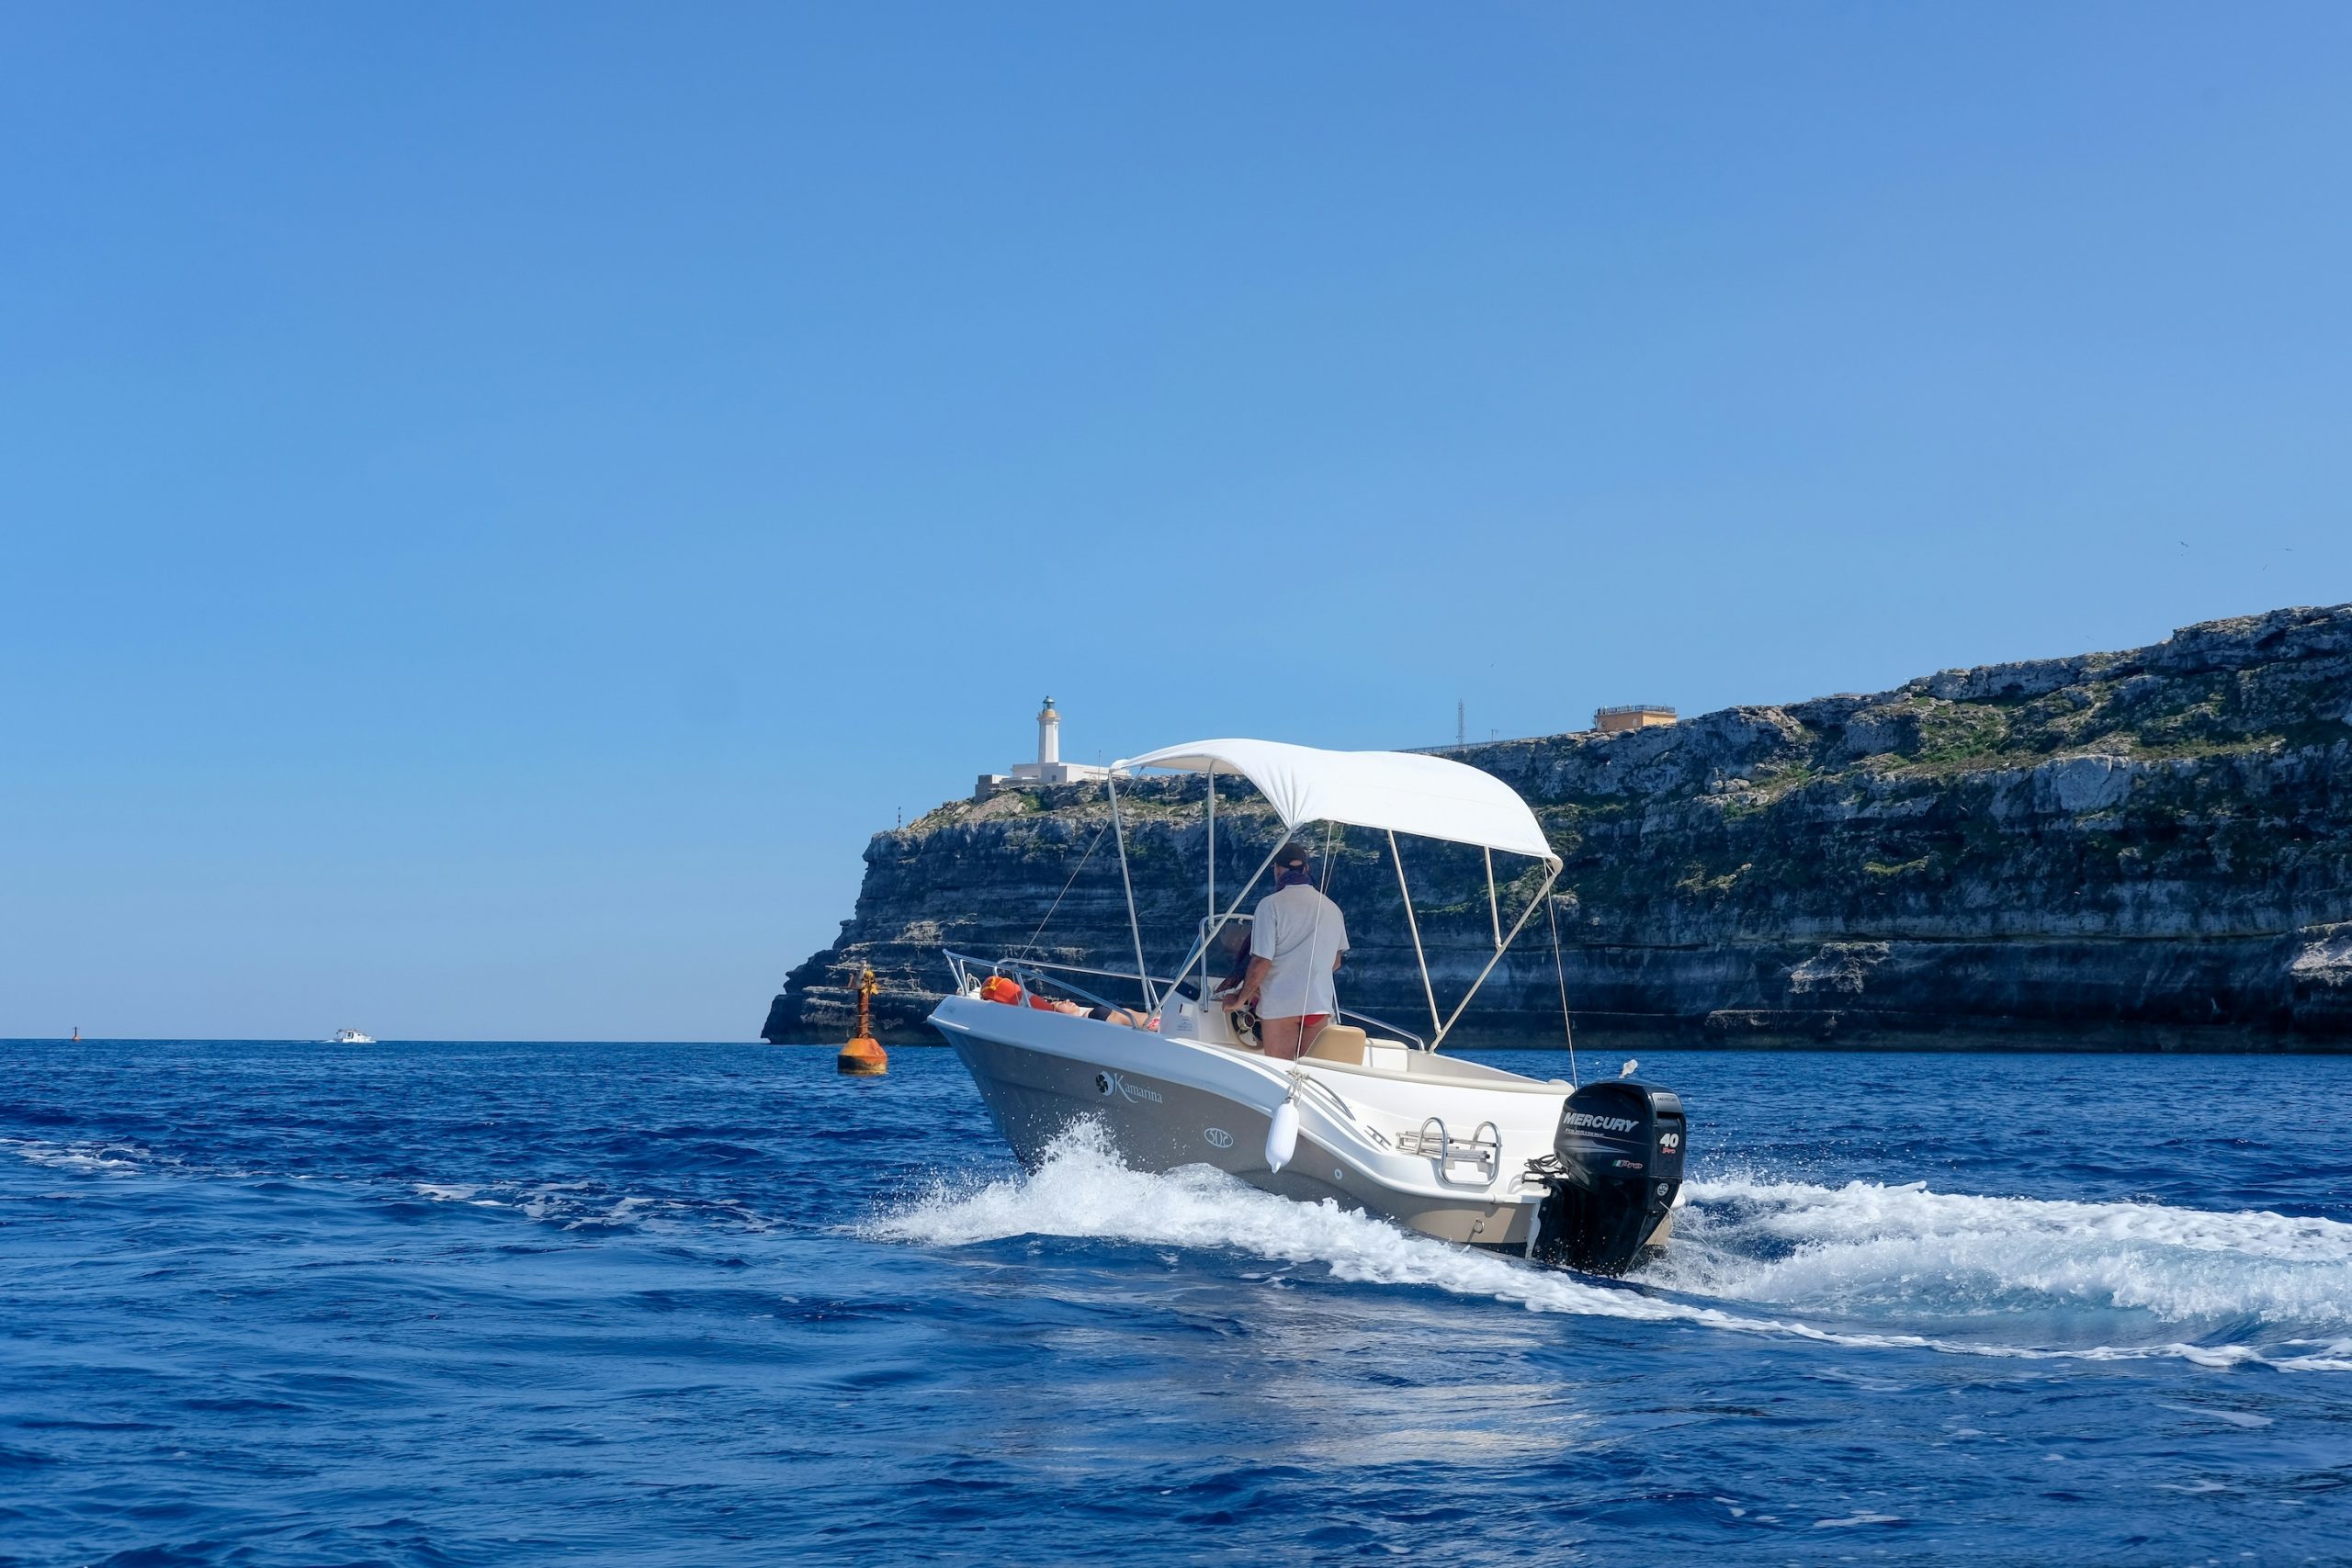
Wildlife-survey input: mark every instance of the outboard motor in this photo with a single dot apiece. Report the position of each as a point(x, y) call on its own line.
point(1618, 1159)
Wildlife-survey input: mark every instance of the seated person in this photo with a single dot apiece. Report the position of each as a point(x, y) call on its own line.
point(997, 989)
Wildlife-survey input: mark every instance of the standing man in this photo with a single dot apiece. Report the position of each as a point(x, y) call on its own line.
point(1295, 942)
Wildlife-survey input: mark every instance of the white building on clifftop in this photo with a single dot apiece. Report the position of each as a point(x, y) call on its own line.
point(1048, 769)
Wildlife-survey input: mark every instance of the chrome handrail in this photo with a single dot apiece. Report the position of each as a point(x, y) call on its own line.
point(1485, 1153)
point(1034, 969)
point(957, 963)
point(1347, 1111)
point(1392, 1031)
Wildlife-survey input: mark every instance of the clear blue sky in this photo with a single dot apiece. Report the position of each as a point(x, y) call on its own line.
point(497, 502)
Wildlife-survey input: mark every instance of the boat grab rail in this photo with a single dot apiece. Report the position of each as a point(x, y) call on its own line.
point(1017, 968)
point(1030, 972)
point(960, 963)
point(1479, 1149)
point(1317, 1085)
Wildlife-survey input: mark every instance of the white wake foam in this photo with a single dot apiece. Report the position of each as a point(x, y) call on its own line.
point(1901, 1258)
point(87, 1155)
point(587, 1206)
point(569, 1205)
point(1867, 1249)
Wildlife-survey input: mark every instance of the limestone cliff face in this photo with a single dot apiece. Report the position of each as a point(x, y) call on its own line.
point(2146, 849)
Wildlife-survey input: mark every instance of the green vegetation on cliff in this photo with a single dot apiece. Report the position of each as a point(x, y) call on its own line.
point(2149, 847)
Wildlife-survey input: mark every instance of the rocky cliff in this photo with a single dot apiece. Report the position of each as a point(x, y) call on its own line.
point(2141, 850)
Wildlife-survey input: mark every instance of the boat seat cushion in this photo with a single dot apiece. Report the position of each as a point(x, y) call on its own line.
point(1339, 1042)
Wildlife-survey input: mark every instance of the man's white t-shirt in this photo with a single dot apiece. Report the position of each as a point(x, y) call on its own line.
point(1303, 935)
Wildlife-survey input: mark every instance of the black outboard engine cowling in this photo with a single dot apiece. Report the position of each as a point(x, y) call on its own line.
point(1619, 1155)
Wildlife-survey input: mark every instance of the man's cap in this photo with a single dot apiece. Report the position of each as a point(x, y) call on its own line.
point(1293, 855)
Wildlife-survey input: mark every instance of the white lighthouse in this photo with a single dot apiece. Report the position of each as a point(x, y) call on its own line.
point(1049, 768)
point(1049, 736)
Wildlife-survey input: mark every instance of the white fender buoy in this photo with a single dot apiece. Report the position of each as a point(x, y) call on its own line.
point(1281, 1137)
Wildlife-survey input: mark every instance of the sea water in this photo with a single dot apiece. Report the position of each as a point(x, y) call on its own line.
point(273, 1304)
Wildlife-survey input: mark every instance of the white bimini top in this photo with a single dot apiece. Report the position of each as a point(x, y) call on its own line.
point(1401, 791)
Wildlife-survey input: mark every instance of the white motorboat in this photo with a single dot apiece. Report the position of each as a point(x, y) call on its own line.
point(351, 1037)
point(1374, 1116)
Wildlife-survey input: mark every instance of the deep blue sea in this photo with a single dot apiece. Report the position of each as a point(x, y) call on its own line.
point(277, 1303)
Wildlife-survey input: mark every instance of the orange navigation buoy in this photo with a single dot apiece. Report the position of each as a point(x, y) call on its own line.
point(863, 1056)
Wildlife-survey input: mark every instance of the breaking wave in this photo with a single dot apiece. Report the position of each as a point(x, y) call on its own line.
point(1863, 1264)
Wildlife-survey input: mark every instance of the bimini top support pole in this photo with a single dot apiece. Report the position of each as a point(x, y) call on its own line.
point(1543, 895)
point(1414, 927)
point(1494, 909)
point(1204, 952)
point(1135, 926)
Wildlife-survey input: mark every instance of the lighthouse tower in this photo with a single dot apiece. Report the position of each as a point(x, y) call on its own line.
point(1048, 769)
point(1049, 737)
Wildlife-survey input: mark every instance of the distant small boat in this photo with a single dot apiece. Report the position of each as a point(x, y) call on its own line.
point(351, 1037)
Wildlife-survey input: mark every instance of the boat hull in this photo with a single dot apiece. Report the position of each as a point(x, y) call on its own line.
point(1165, 1104)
